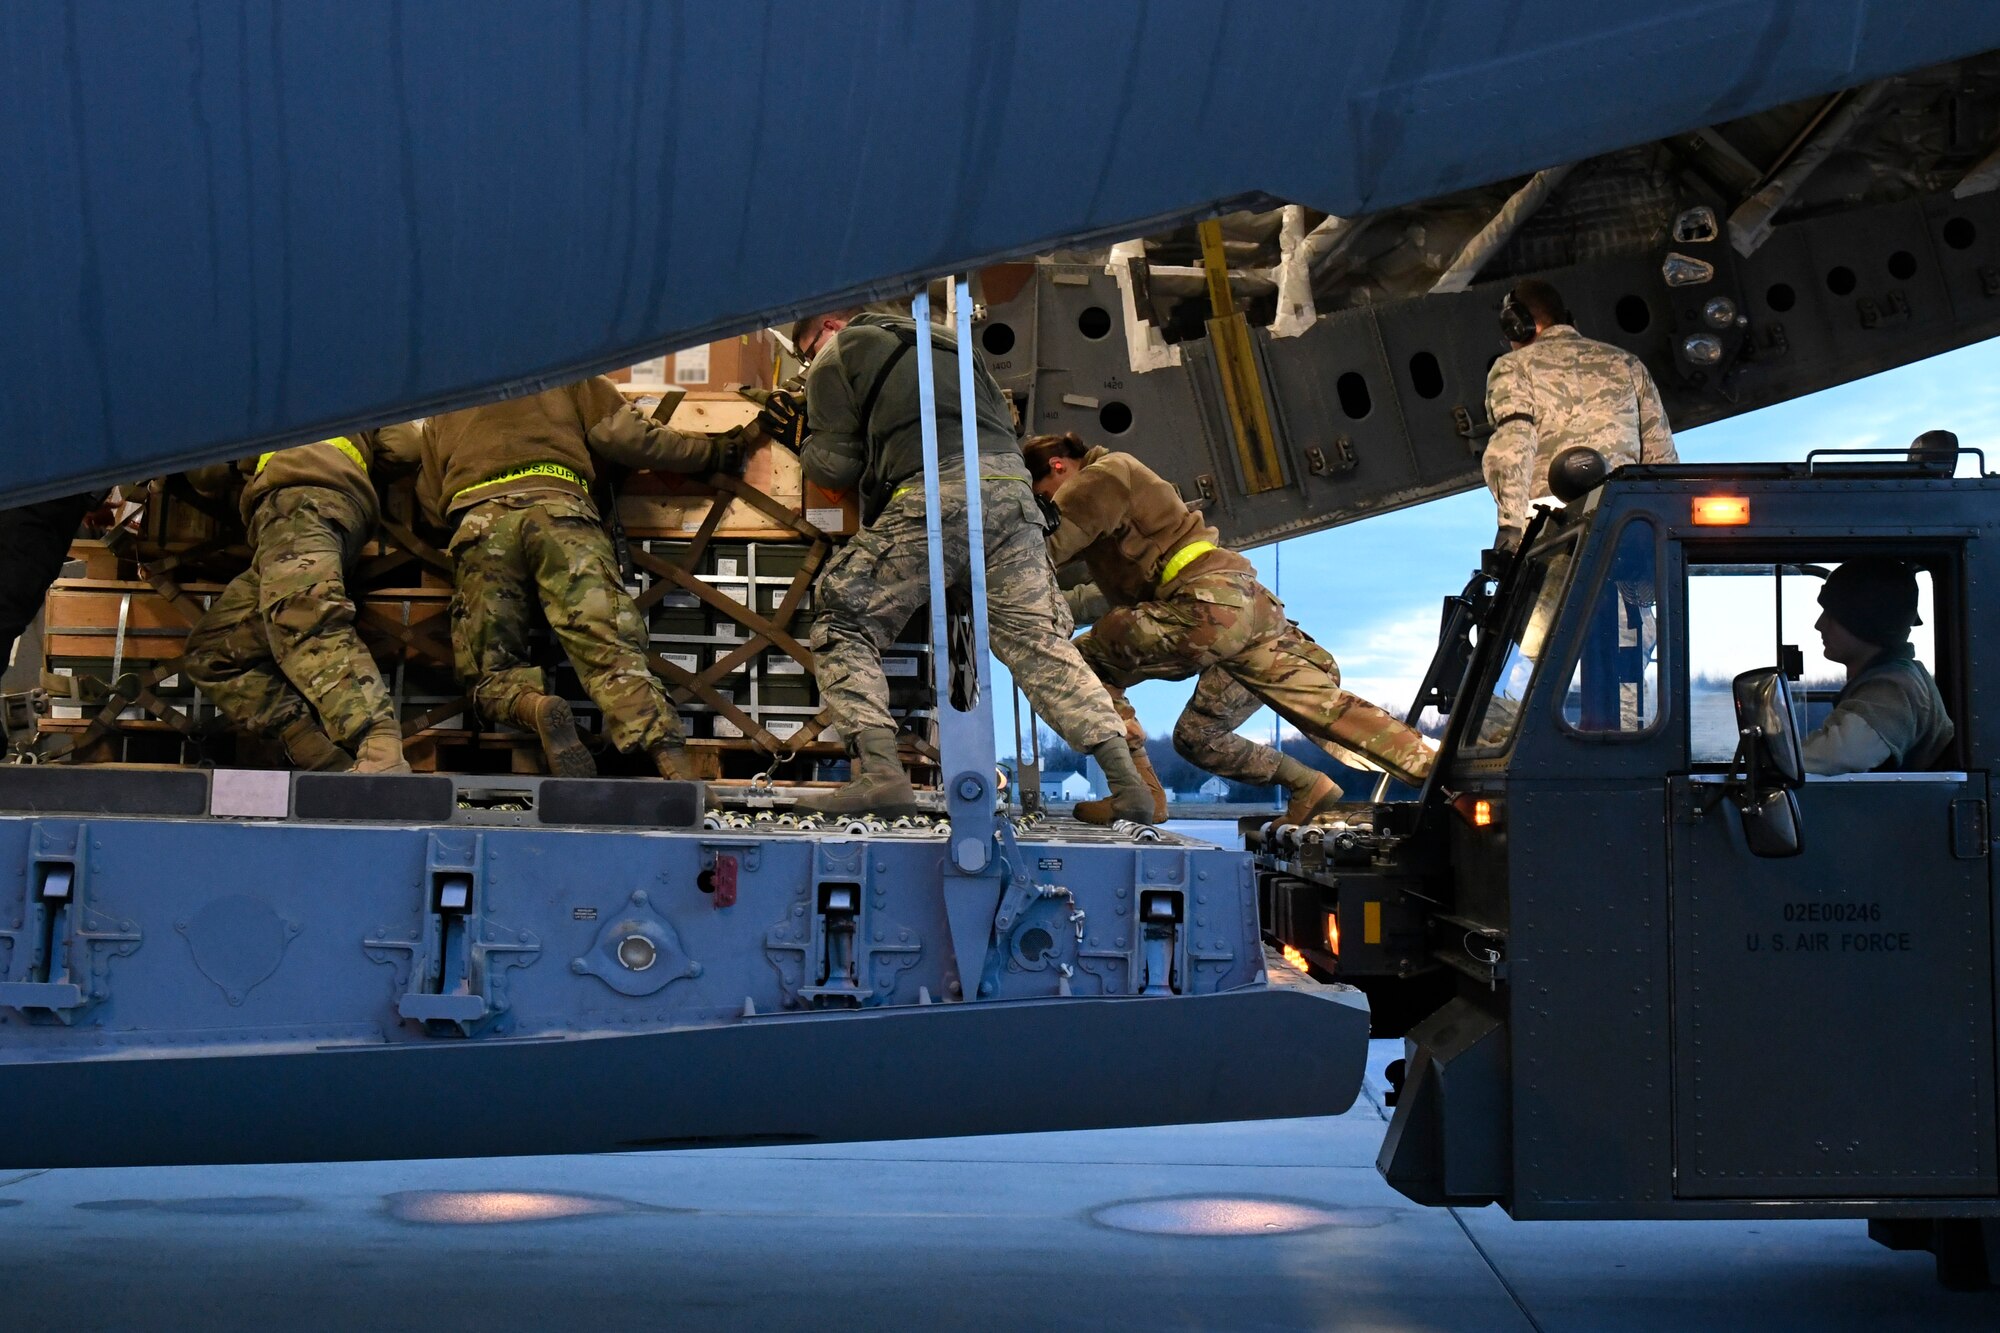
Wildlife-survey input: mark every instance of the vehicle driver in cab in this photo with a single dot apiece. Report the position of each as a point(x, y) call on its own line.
point(1890, 717)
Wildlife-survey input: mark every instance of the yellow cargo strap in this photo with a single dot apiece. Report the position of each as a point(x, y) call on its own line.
point(1181, 559)
point(515, 474)
point(340, 442)
point(909, 486)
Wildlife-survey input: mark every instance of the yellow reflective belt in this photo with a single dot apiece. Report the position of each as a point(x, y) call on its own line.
point(515, 474)
point(909, 486)
point(1182, 558)
point(340, 442)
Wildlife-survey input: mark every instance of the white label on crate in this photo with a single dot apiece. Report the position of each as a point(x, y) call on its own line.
point(784, 728)
point(825, 518)
point(728, 630)
point(688, 662)
point(691, 522)
point(65, 711)
point(899, 666)
point(727, 730)
point(679, 599)
point(784, 666)
point(169, 683)
point(61, 671)
point(726, 566)
point(691, 365)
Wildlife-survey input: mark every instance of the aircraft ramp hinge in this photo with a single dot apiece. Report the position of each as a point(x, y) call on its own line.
point(58, 958)
point(456, 955)
point(836, 946)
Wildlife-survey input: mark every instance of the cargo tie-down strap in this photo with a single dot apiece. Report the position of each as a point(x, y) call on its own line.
point(569, 475)
point(340, 442)
point(1181, 559)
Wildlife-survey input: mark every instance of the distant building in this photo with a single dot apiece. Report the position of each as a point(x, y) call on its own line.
point(1215, 789)
point(1065, 787)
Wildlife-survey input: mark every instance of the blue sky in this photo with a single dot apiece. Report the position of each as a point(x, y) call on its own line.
point(1381, 626)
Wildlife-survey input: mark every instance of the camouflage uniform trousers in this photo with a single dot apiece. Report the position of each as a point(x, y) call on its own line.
point(535, 555)
point(1230, 630)
point(869, 590)
point(279, 644)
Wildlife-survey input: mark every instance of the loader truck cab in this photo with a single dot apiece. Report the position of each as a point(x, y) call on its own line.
point(1649, 969)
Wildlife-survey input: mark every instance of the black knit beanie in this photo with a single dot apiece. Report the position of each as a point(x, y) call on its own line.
point(1873, 598)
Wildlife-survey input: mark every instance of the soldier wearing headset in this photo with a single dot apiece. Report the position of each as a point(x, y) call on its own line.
point(1554, 391)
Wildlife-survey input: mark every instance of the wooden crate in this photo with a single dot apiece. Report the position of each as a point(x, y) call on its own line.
point(116, 620)
point(402, 588)
point(669, 505)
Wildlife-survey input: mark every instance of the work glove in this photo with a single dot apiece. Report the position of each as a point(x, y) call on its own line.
point(782, 416)
point(730, 449)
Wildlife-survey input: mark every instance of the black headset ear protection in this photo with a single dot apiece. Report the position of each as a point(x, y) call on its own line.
point(1517, 322)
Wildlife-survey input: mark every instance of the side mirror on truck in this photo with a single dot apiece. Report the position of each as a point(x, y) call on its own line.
point(1773, 767)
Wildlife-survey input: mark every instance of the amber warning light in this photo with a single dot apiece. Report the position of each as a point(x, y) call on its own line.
point(1721, 511)
point(1478, 811)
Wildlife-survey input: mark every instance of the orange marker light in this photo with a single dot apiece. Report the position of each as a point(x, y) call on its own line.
point(1297, 959)
point(1333, 933)
point(1721, 511)
point(1478, 811)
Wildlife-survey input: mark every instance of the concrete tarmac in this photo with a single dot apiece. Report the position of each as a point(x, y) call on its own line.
point(1275, 1225)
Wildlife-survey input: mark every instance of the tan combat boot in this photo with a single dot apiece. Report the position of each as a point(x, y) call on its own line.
point(550, 719)
point(879, 785)
point(311, 749)
point(1132, 797)
point(671, 758)
point(381, 750)
point(1098, 810)
point(1313, 792)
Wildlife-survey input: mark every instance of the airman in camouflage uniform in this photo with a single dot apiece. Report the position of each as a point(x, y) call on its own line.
point(1555, 390)
point(1183, 606)
point(277, 652)
point(862, 398)
point(513, 481)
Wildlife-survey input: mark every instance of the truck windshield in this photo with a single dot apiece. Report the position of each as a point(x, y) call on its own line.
point(1532, 615)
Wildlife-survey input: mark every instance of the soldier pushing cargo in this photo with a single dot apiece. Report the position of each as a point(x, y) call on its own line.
point(512, 480)
point(862, 403)
point(277, 652)
point(1554, 391)
point(1184, 606)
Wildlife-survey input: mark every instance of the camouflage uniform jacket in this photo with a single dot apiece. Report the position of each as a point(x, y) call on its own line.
point(478, 453)
point(886, 451)
point(345, 463)
point(1125, 521)
point(1559, 391)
